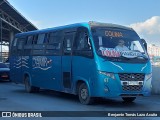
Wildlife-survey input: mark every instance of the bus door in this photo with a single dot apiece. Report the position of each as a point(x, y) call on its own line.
point(67, 61)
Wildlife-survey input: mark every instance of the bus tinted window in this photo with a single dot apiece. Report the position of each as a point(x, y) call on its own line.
point(28, 45)
point(53, 46)
point(35, 39)
point(40, 38)
point(68, 42)
point(52, 37)
point(82, 42)
point(82, 45)
point(20, 45)
point(14, 48)
point(39, 46)
point(29, 40)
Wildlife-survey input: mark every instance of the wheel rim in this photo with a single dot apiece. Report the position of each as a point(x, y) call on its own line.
point(84, 94)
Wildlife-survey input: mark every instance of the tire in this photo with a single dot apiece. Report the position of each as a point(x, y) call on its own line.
point(128, 99)
point(28, 87)
point(83, 95)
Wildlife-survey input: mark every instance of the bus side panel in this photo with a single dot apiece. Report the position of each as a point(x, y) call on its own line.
point(12, 68)
point(46, 72)
point(26, 67)
point(84, 69)
point(16, 69)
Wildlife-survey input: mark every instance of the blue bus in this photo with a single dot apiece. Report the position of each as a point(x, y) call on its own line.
point(90, 60)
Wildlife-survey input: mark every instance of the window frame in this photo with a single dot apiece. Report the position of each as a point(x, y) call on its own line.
point(66, 34)
point(50, 48)
point(38, 48)
point(84, 53)
point(20, 51)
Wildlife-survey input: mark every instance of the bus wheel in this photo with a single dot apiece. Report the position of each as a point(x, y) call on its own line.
point(83, 95)
point(128, 99)
point(28, 87)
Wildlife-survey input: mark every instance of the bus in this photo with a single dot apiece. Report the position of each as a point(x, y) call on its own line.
point(83, 59)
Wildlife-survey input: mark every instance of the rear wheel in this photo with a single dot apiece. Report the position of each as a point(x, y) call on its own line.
point(28, 87)
point(83, 94)
point(128, 99)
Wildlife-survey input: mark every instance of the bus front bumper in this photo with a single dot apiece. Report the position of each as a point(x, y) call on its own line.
point(114, 88)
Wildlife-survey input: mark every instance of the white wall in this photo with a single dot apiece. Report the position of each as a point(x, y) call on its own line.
point(156, 80)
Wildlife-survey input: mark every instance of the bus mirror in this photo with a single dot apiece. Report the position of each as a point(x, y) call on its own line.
point(144, 43)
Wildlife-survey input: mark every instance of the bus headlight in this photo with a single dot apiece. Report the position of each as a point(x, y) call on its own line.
point(148, 76)
point(111, 75)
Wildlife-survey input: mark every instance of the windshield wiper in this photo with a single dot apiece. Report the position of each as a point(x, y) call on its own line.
point(115, 59)
point(142, 56)
point(126, 58)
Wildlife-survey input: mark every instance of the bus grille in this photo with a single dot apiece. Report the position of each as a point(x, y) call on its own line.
point(132, 87)
point(132, 77)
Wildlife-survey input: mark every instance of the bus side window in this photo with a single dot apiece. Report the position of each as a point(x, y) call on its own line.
point(41, 38)
point(39, 45)
point(35, 38)
point(53, 41)
point(20, 45)
point(82, 45)
point(29, 40)
point(83, 42)
point(14, 48)
point(28, 45)
point(67, 43)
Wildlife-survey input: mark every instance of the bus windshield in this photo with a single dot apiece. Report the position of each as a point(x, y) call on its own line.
point(119, 45)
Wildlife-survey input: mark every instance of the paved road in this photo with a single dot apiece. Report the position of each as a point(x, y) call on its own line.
point(14, 98)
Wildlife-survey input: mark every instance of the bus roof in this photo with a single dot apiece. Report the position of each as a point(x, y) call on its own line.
point(99, 24)
point(84, 24)
point(54, 28)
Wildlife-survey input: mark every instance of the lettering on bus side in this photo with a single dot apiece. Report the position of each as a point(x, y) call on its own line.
point(41, 62)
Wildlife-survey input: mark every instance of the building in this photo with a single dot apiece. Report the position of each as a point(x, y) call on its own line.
point(11, 22)
point(153, 50)
point(154, 53)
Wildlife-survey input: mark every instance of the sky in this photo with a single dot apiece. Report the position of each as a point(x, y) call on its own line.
point(142, 15)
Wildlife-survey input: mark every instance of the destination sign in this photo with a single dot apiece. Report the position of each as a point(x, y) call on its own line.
point(113, 33)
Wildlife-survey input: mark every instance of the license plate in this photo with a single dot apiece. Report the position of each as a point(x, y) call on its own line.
point(133, 83)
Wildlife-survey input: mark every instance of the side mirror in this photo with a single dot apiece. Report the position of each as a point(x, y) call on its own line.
point(144, 43)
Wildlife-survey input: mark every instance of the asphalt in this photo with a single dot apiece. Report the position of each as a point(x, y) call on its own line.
point(14, 98)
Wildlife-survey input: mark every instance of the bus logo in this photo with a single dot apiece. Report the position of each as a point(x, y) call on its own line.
point(41, 62)
point(132, 76)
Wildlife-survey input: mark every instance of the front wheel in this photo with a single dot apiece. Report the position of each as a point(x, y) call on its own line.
point(83, 95)
point(128, 99)
point(28, 87)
